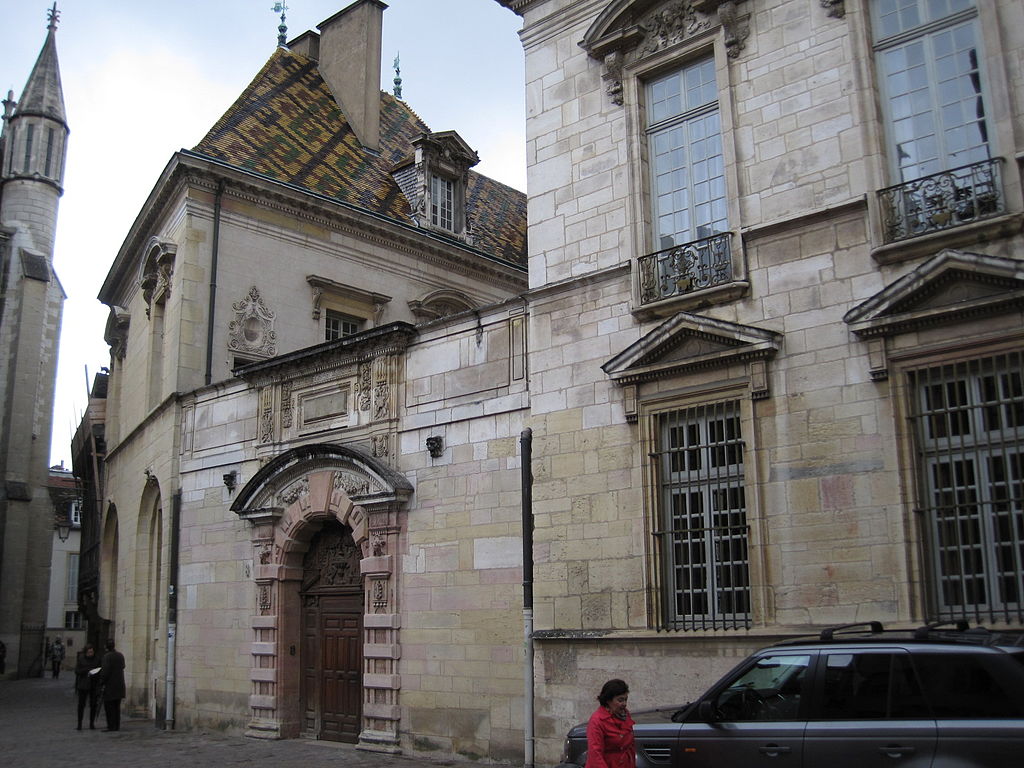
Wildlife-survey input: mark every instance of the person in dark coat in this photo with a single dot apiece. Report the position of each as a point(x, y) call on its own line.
point(87, 686)
point(56, 657)
point(112, 676)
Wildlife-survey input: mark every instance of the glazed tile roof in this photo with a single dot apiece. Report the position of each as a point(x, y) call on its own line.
point(287, 126)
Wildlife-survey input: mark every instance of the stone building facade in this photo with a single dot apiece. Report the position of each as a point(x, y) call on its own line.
point(308, 510)
point(775, 329)
point(767, 340)
point(33, 146)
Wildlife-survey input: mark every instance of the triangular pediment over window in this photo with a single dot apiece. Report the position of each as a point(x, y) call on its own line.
point(688, 342)
point(951, 287)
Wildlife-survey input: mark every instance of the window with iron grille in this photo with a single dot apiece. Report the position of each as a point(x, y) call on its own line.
point(338, 325)
point(701, 533)
point(72, 620)
point(969, 429)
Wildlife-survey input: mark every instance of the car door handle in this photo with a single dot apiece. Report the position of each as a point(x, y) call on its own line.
point(773, 750)
point(895, 750)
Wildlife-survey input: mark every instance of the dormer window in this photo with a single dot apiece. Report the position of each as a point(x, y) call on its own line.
point(437, 185)
point(442, 203)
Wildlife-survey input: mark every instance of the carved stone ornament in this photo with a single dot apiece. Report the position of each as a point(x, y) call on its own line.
point(381, 390)
point(836, 8)
point(620, 41)
point(252, 330)
point(378, 544)
point(157, 271)
point(380, 597)
point(351, 484)
point(286, 405)
point(292, 493)
point(265, 599)
point(332, 561)
point(365, 386)
point(380, 446)
point(266, 415)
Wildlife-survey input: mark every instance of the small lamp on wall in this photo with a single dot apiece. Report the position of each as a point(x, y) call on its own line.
point(230, 480)
point(63, 529)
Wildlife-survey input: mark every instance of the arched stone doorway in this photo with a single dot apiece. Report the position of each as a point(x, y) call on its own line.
point(289, 502)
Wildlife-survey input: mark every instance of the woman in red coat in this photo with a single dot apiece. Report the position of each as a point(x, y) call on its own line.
point(610, 730)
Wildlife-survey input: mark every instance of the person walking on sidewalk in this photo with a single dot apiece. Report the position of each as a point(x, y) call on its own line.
point(87, 668)
point(56, 657)
point(112, 676)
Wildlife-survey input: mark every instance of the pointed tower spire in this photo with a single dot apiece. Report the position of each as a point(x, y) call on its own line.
point(36, 129)
point(43, 95)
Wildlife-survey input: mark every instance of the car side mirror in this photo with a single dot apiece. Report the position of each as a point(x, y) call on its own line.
point(706, 712)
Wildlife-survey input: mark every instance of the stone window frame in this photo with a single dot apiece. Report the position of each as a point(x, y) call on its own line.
point(343, 299)
point(634, 53)
point(691, 361)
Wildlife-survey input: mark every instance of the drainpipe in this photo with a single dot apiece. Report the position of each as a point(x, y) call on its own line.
point(526, 459)
point(172, 611)
point(213, 281)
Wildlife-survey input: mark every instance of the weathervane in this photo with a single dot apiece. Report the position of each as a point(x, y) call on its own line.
point(282, 28)
point(398, 78)
point(53, 16)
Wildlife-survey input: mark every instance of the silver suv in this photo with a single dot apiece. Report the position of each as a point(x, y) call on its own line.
point(855, 696)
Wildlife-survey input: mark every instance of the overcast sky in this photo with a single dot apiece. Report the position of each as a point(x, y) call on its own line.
point(143, 79)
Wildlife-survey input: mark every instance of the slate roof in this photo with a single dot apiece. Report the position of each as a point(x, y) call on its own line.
point(287, 126)
point(43, 94)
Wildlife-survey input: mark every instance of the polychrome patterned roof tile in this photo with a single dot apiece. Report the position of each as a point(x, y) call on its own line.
point(287, 126)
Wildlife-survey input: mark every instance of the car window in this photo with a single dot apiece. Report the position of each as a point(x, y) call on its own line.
point(770, 690)
point(964, 686)
point(870, 686)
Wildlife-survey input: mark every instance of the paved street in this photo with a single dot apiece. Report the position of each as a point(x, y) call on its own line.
point(37, 730)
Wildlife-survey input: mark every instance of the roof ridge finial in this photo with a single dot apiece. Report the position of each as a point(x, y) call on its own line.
point(398, 77)
point(52, 16)
point(282, 28)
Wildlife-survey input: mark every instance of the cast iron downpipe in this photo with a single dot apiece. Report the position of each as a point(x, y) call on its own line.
point(172, 610)
point(526, 459)
point(214, 249)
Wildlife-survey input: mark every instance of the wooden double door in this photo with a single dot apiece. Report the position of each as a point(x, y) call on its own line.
point(332, 657)
point(332, 629)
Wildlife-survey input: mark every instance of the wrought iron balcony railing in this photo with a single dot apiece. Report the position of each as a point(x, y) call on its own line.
point(685, 268)
point(942, 200)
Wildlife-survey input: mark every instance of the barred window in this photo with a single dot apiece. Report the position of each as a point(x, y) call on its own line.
point(72, 620)
point(969, 428)
point(701, 535)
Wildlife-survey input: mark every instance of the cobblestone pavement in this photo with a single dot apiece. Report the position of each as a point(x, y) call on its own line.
point(37, 730)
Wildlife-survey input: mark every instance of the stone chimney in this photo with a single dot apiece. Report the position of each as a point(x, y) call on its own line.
point(349, 63)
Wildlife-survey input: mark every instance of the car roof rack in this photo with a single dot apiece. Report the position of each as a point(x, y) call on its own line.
point(960, 625)
point(831, 632)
